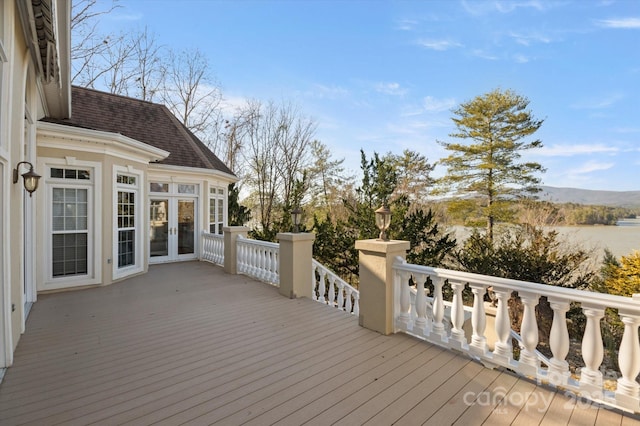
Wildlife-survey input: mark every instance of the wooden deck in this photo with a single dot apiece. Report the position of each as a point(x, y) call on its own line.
point(187, 343)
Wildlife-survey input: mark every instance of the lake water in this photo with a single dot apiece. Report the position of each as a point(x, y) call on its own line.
point(621, 240)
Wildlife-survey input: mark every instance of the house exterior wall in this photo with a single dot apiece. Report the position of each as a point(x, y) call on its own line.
point(104, 168)
point(21, 96)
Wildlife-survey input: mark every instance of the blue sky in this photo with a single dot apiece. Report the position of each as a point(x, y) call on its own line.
point(384, 75)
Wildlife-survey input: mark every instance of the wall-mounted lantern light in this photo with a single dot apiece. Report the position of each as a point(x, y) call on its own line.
point(31, 178)
point(296, 218)
point(383, 220)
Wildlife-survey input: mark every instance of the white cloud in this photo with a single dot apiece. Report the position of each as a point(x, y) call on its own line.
point(520, 58)
point(505, 6)
point(230, 104)
point(509, 5)
point(390, 88)
point(432, 104)
point(440, 45)
point(528, 39)
point(589, 167)
point(484, 55)
point(598, 103)
point(321, 91)
point(624, 23)
point(406, 24)
point(571, 150)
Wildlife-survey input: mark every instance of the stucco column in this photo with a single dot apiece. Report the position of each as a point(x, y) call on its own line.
point(295, 264)
point(376, 259)
point(230, 253)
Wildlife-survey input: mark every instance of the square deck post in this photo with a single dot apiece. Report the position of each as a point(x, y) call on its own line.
point(376, 287)
point(295, 264)
point(230, 252)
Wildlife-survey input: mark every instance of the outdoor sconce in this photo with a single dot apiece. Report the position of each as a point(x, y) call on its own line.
point(296, 217)
point(383, 220)
point(30, 178)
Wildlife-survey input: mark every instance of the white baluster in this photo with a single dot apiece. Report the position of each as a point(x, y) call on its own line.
point(420, 325)
point(529, 363)
point(348, 304)
point(478, 344)
point(402, 287)
point(321, 286)
point(239, 256)
point(314, 282)
point(340, 296)
point(356, 304)
point(252, 260)
point(332, 291)
point(458, 339)
point(628, 390)
point(503, 352)
point(592, 353)
point(275, 263)
point(262, 264)
point(439, 333)
point(558, 373)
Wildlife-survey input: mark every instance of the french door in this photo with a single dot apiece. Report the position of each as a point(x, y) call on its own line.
point(172, 233)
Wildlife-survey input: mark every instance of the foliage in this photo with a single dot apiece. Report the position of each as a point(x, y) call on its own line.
point(428, 245)
point(334, 247)
point(335, 239)
point(238, 215)
point(529, 253)
point(413, 172)
point(488, 167)
point(579, 214)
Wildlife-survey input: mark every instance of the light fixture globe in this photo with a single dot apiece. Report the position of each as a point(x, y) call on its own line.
point(296, 218)
point(383, 220)
point(30, 178)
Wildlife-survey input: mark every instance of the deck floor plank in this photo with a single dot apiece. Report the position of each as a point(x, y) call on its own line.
point(188, 343)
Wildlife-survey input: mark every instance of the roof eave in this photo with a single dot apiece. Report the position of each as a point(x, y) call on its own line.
point(199, 170)
point(151, 153)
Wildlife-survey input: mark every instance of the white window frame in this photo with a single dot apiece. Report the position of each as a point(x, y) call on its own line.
point(94, 221)
point(140, 247)
point(217, 194)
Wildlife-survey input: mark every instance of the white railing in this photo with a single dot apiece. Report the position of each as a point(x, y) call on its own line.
point(332, 290)
point(258, 259)
point(428, 317)
point(213, 248)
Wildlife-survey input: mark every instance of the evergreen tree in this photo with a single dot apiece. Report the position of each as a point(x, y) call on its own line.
point(488, 167)
point(238, 215)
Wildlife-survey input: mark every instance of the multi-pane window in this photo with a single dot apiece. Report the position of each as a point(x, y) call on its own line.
point(216, 210)
point(70, 231)
point(126, 228)
point(126, 214)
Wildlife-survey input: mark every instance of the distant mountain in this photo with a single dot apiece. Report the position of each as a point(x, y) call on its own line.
point(629, 199)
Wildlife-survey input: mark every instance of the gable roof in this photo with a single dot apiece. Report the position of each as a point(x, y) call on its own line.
point(147, 122)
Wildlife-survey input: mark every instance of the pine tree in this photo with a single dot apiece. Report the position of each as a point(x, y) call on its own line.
point(488, 167)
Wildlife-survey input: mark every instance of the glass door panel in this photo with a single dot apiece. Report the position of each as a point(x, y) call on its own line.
point(159, 228)
point(186, 227)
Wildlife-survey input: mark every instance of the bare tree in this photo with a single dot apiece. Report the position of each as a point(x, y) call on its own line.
point(277, 154)
point(149, 67)
point(191, 93)
point(88, 43)
point(326, 177)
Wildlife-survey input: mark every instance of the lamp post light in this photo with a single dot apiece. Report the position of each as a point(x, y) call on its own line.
point(383, 220)
point(31, 178)
point(296, 218)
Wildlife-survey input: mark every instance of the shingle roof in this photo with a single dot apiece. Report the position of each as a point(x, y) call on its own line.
point(152, 124)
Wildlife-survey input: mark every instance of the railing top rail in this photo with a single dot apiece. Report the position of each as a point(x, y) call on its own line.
point(211, 235)
point(627, 305)
point(268, 244)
